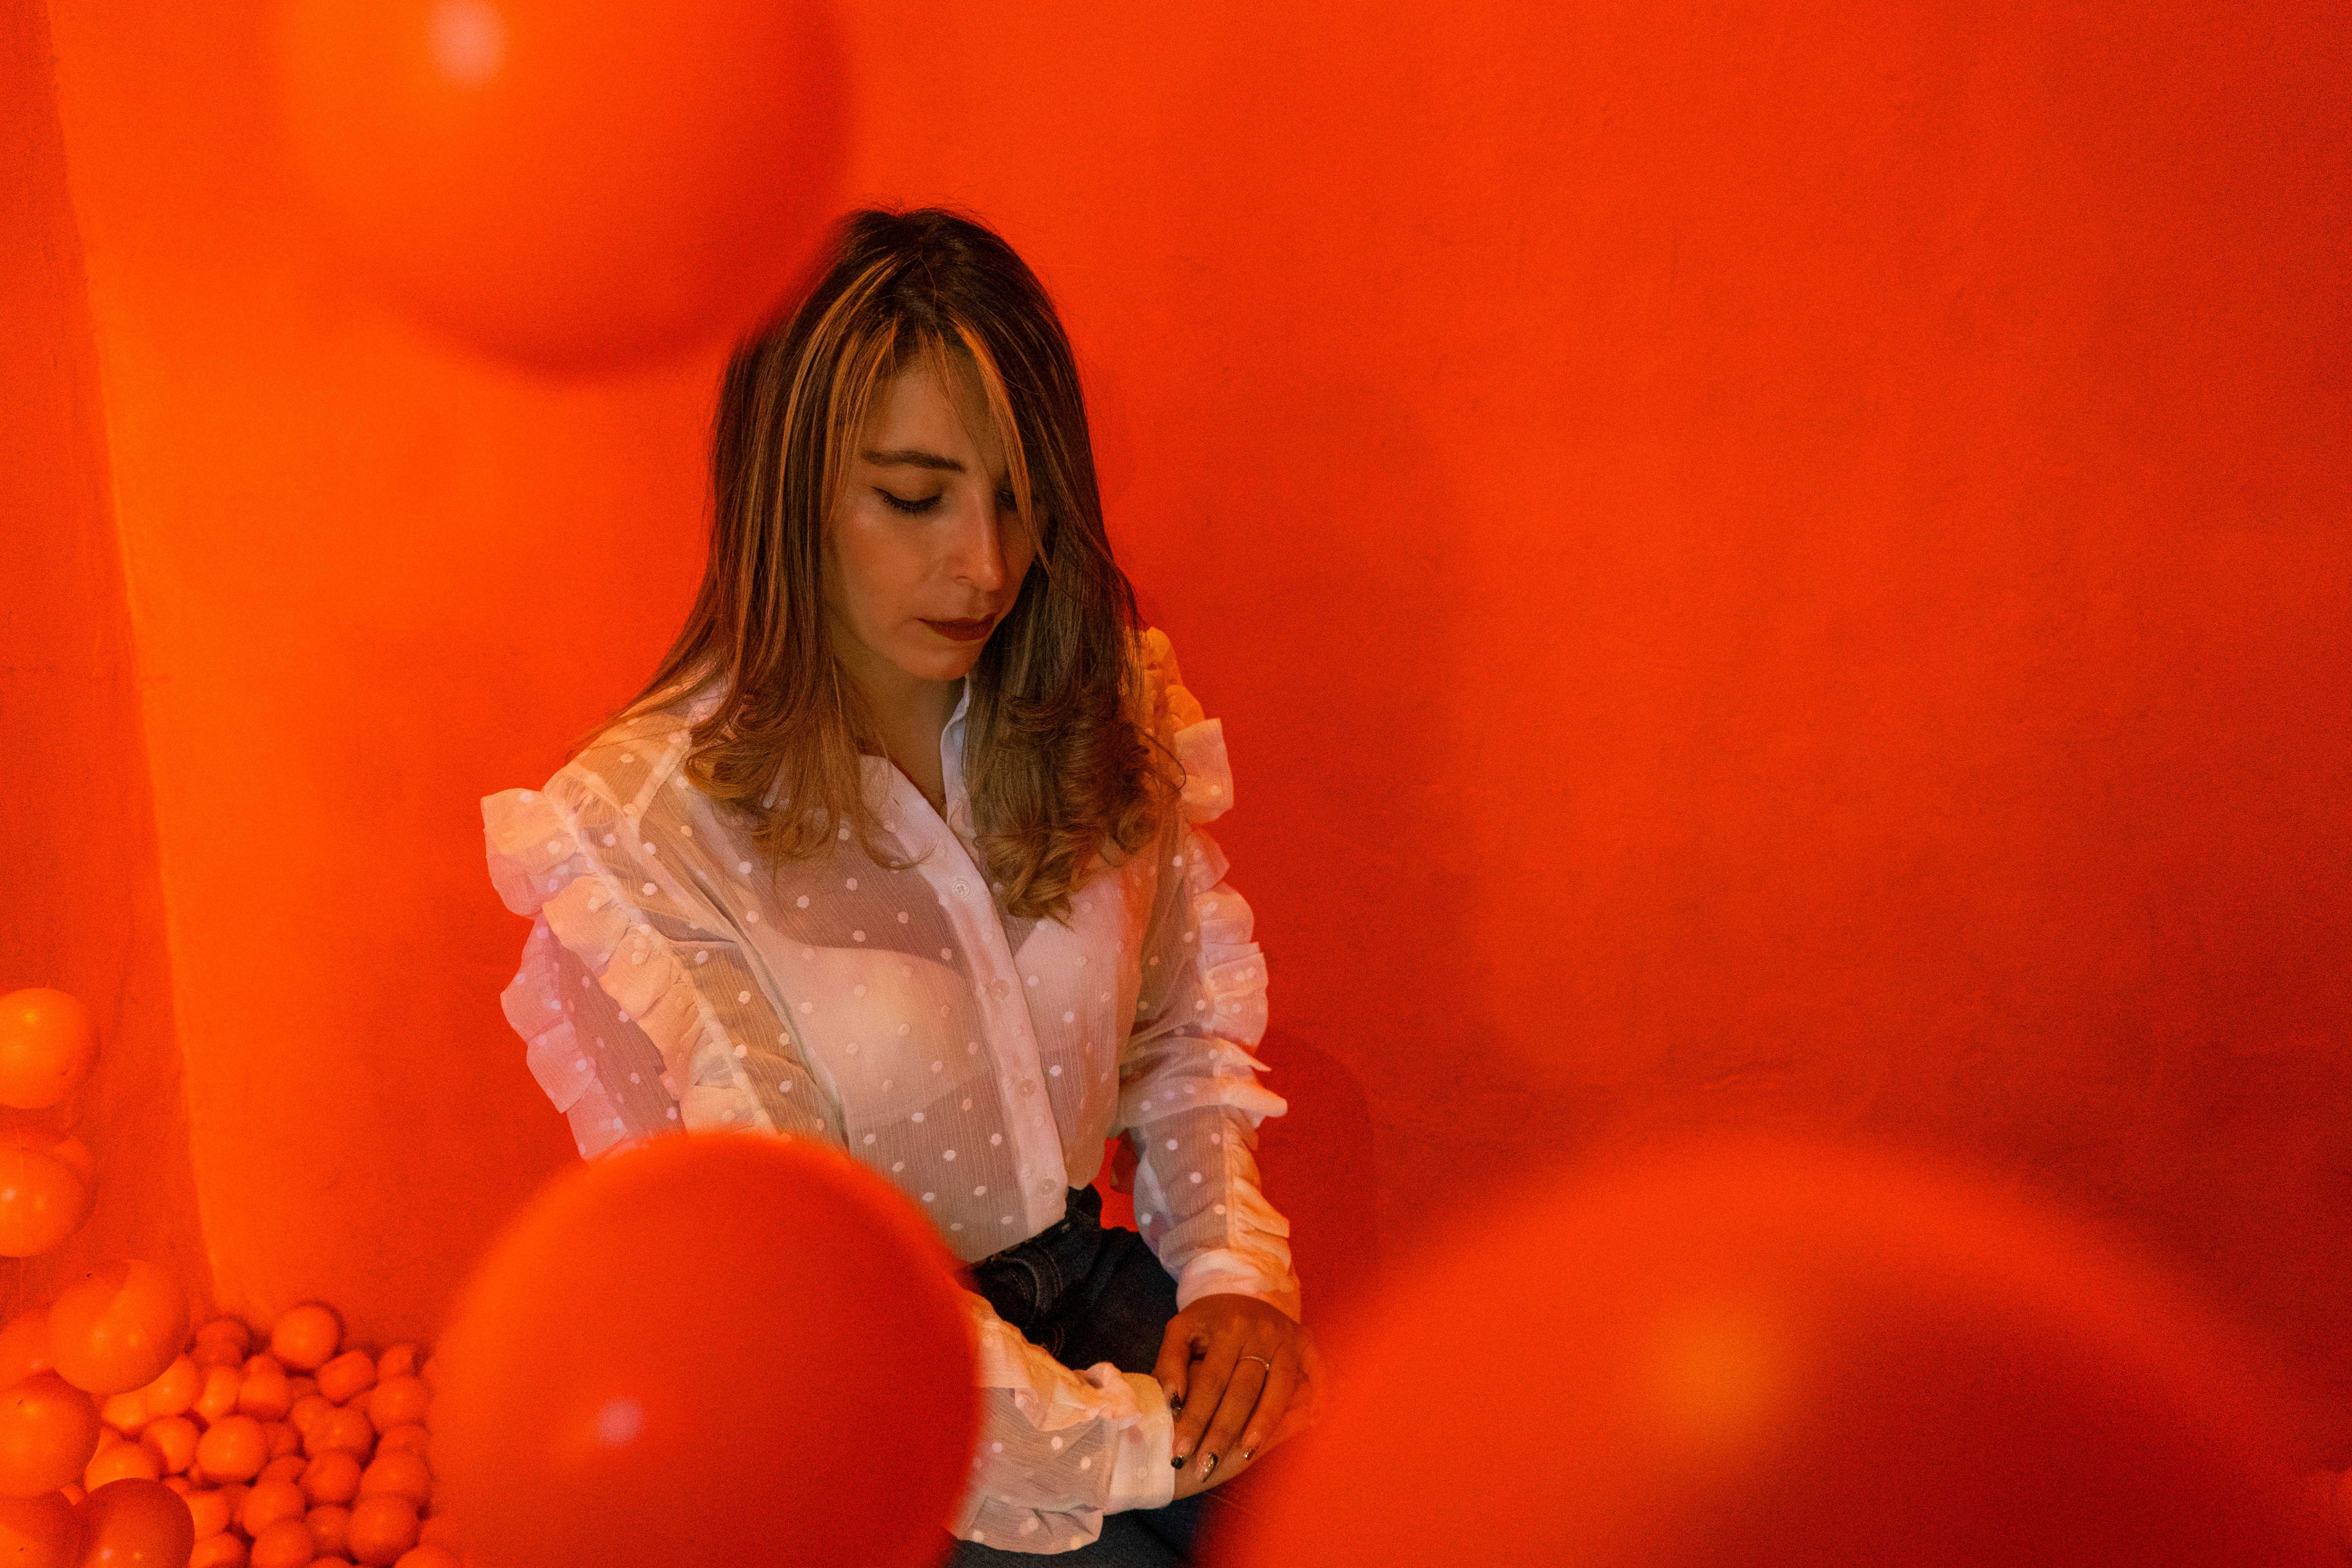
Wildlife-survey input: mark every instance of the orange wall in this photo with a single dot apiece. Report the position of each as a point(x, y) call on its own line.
point(85, 908)
point(1759, 569)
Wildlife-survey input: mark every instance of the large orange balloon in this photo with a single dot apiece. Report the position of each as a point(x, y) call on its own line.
point(694, 1351)
point(1770, 1356)
point(49, 1430)
point(136, 1524)
point(39, 1532)
point(578, 185)
point(118, 1327)
point(47, 1045)
point(42, 1201)
point(24, 1345)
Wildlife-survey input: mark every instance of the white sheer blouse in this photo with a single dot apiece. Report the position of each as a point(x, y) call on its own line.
point(672, 982)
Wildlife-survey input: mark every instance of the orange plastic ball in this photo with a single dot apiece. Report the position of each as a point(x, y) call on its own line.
point(175, 1439)
point(24, 1346)
point(211, 1512)
point(285, 1544)
point(409, 1439)
point(136, 1524)
point(174, 1390)
point(285, 1441)
point(118, 1328)
point(423, 1556)
point(286, 1467)
point(397, 1361)
point(398, 1402)
point(330, 1528)
point(39, 1532)
point(519, 175)
point(347, 1374)
point(122, 1460)
point(217, 1397)
point(268, 1502)
point(218, 1551)
point(47, 1044)
point(400, 1475)
point(381, 1529)
point(649, 1311)
point(223, 1339)
point(42, 1202)
point(49, 1430)
point(233, 1449)
point(1768, 1355)
point(333, 1476)
point(306, 1337)
point(345, 1429)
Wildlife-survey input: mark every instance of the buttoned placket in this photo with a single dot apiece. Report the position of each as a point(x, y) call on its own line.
point(949, 866)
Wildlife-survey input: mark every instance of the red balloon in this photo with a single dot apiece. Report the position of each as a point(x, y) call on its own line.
point(578, 185)
point(696, 1350)
point(1771, 1356)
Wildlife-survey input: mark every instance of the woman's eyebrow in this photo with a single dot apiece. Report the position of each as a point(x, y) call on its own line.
point(914, 458)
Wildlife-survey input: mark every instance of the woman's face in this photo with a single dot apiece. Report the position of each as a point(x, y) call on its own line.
point(925, 552)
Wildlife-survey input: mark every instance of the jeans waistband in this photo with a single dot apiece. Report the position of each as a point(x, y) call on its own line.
point(1082, 1210)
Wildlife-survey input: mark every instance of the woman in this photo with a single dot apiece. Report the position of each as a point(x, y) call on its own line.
point(901, 849)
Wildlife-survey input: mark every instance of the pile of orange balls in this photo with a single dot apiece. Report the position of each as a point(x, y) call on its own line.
point(125, 1440)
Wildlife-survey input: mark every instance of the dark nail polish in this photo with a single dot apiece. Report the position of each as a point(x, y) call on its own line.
point(1211, 1464)
point(1178, 1462)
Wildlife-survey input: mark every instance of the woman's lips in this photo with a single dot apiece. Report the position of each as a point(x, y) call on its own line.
point(963, 631)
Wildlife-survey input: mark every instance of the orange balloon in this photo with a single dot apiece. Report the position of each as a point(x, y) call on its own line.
point(42, 1201)
point(49, 1430)
point(1770, 1355)
point(39, 1532)
point(24, 1346)
point(136, 1524)
point(521, 173)
point(119, 1328)
point(123, 1459)
point(47, 1044)
point(329, 1525)
point(636, 1370)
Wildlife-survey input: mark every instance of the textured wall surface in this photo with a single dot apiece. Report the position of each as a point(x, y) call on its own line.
point(84, 902)
point(1759, 570)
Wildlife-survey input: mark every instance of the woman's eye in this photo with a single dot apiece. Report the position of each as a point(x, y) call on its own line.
point(900, 503)
point(1007, 501)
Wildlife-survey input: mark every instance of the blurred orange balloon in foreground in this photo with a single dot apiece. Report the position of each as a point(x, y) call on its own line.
point(693, 1353)
point(118, 1327)
point(577, 184)
point(42, 1201)
point(47, 1045)
point(39, 1532)
point(49, 1430)
point(1768, 1356)
point(136, 1524)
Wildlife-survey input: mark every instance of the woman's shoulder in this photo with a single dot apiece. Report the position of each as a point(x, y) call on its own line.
point(1169, 705)
point(1175, 716)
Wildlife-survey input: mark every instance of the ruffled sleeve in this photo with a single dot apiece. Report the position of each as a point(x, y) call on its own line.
point(1189, 1093)
point(638, 1007)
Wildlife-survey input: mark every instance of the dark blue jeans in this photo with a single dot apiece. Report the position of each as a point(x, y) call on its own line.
point(1086, 1294)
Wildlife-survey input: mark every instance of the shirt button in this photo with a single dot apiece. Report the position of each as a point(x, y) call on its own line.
point(1001, 986)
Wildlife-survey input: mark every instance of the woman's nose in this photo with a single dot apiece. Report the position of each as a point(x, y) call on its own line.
point(979, 547)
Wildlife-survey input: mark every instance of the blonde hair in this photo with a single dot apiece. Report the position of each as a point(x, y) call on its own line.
point(1059, 763)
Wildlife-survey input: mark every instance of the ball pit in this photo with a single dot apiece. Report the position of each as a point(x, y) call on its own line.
point(288, 1450)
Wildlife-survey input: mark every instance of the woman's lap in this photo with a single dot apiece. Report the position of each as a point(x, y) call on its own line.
point(1113, 1301)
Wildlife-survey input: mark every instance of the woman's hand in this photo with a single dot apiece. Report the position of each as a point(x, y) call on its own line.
point(1242, 1377)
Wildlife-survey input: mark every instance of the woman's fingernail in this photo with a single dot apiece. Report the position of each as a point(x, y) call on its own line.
point(1207, 1465)
point(1178, 1461)
point(1247, 1453)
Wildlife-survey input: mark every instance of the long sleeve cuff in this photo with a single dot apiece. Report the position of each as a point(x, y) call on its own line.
point(1143, 1474)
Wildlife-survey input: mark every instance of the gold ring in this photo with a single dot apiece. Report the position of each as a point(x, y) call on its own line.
point(1269, 1365)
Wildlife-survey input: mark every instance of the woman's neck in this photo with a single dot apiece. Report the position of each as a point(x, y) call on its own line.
point(908, 715)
